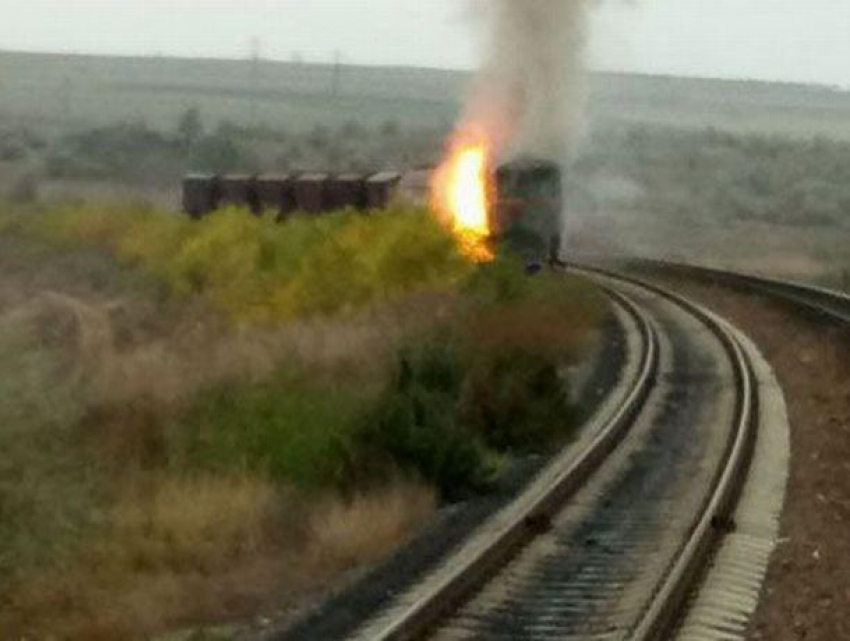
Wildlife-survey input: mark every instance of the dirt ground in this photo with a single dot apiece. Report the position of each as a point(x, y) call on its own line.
point(807, 595)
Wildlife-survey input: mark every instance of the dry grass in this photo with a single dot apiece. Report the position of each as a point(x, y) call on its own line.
point(196, 524)
point(128, 544)
point(166, 543)
point(535, 327)
point(117, 523)
point(108, 346)
point(180, 551)
point(344, 534)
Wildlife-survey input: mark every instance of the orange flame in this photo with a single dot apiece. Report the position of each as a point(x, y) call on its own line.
point(460, 195)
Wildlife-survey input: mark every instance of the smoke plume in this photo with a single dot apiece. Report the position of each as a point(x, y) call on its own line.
point(530, 93)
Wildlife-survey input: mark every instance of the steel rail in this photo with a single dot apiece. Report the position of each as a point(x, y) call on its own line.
point(829, 304)
point(473, 572)
point(667, 600)
point(715, 518)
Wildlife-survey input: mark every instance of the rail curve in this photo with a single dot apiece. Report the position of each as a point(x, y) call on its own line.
point(829, 304)
point(462, 599)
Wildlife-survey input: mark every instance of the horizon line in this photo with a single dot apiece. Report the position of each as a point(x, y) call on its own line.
point(376, 65)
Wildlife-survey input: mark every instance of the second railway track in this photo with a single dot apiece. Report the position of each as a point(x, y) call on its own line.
point(610, 551)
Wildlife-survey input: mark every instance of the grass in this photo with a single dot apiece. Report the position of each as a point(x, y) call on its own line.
point(109, 532)
point(35, 438)
point(205, 446)
point(181, 551)
point(294, 97)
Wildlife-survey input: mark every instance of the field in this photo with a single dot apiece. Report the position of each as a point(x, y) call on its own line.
point(206, 422)
point(71, 92)
point(119, 128)
point(241, 411)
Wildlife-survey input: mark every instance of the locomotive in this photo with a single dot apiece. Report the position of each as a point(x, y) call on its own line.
point(527, 212)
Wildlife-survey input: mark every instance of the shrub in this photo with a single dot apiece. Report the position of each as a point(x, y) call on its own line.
point(117, 150)
point(217, 153)
point(190, 128)
point(416, 423)
point(257, 270)
point(517, 401)
point(372, 258)
point(287, 428)
point(488, 385)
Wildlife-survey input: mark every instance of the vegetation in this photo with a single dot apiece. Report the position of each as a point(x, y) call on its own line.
point(720, 176)
point(240, 408)
point(133, 152)
point(713, 159)
point(194, 417)
point(254, 269)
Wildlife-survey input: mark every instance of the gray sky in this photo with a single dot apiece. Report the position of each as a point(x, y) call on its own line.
point(796, 40)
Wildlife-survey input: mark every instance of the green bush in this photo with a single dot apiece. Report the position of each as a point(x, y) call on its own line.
point(287, 428)
point(217, 153)
point(457, 405)
point(415, 423)
point(518, 402)
point(501, 281)
point(692, 174)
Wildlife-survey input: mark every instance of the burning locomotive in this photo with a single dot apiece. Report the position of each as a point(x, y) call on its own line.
point(528, 206)
point(517, 206)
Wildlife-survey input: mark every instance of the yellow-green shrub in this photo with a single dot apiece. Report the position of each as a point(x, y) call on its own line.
point(256, 269)
point(370, 258)
point(133, 233)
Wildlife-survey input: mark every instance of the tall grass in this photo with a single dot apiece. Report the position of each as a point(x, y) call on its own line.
point(183, 467)
point(124, 517)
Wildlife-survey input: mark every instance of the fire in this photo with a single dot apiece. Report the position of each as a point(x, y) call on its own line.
point(461, 195)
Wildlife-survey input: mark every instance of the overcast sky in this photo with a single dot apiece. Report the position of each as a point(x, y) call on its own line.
point(795, 40)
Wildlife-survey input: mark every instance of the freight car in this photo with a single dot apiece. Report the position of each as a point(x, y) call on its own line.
point(307, 192)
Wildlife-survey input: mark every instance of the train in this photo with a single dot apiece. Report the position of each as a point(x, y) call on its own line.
point(526, 216)
point(309, 192)
point(528, 211)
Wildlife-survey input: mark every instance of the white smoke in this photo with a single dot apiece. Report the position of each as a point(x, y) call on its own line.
point(530, 94)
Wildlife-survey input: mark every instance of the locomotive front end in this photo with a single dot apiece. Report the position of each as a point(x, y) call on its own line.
point(526, 219)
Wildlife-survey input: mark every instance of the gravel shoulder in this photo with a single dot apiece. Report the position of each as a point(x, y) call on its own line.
point(807, 594)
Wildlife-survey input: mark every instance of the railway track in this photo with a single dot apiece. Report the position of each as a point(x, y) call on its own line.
point(827, 304)
point(614, 551)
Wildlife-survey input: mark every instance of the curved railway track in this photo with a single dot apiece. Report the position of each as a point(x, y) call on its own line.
point(830, 305)
point(611, 551)
point(660, 522)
